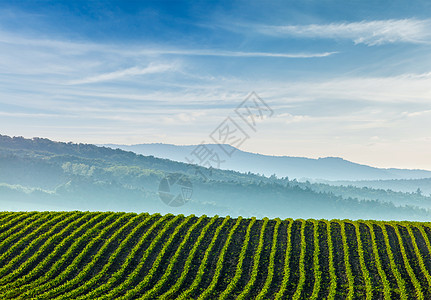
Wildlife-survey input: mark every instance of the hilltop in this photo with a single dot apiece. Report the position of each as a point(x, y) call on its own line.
point(41, 174)
point(324, 168)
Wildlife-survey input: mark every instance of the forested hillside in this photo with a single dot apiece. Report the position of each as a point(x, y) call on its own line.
point(94, 255)
point(39, 174)
point(324, 168)
point(422, 186)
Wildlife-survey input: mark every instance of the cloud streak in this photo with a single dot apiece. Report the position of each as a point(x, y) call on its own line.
point(370, 33)
point(73, 48)
point(134, 71)
point(222, 53)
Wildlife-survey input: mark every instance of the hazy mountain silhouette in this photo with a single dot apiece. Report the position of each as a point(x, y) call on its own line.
point(40, 174)
point(328, 168)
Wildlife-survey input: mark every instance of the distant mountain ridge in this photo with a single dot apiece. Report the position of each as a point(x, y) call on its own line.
point(328, 168)
point(40, 174)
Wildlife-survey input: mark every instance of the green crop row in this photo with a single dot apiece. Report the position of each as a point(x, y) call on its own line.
point(175, 287)
point(93, 255)
point(256, 260)
point(238, 270)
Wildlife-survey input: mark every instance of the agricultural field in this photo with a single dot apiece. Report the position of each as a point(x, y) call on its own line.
point(105, 255)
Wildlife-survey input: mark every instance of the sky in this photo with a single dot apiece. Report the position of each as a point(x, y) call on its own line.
point(350, 79)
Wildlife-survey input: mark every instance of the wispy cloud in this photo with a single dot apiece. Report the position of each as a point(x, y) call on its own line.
point(223, 53)
point(73, 48)
point(416, 113)
point(134, 71)
point(370, 33)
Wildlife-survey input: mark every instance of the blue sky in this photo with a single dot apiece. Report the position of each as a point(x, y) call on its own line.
point(343, 79)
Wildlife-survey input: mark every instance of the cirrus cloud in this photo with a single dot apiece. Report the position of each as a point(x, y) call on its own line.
point(370, 33)
point(134, 71)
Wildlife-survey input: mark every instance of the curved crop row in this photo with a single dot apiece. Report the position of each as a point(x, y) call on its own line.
point(238, 269)
point(10, 219)
point(378, 262)
point(286, 270)
point(170, 267)
point(51, 241)
point(7, 268)
point(349, 274)
point(11, 224)
point(301, 282)
point(35, 224)
point(21, 282)
point(317, 272)
point(412, 275)
point(219, 264)
point(256, 260)
point(123, 287)
point(332, 275)
point(82, 274)
point(365, 273)
point(119, 273)
point(50, 285)
point(186, 294)
point(5, 215)
point(418, 254)
point(398, 277)
point(93, 255)
point(174, 289)
point(268, 281)
point(144, 282)
point(35, 285)
point(95, 279)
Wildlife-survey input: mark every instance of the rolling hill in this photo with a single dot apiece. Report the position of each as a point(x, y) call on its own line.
point(327, 168)
point(398, 185)
point(40, 174)
point(95, 255)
